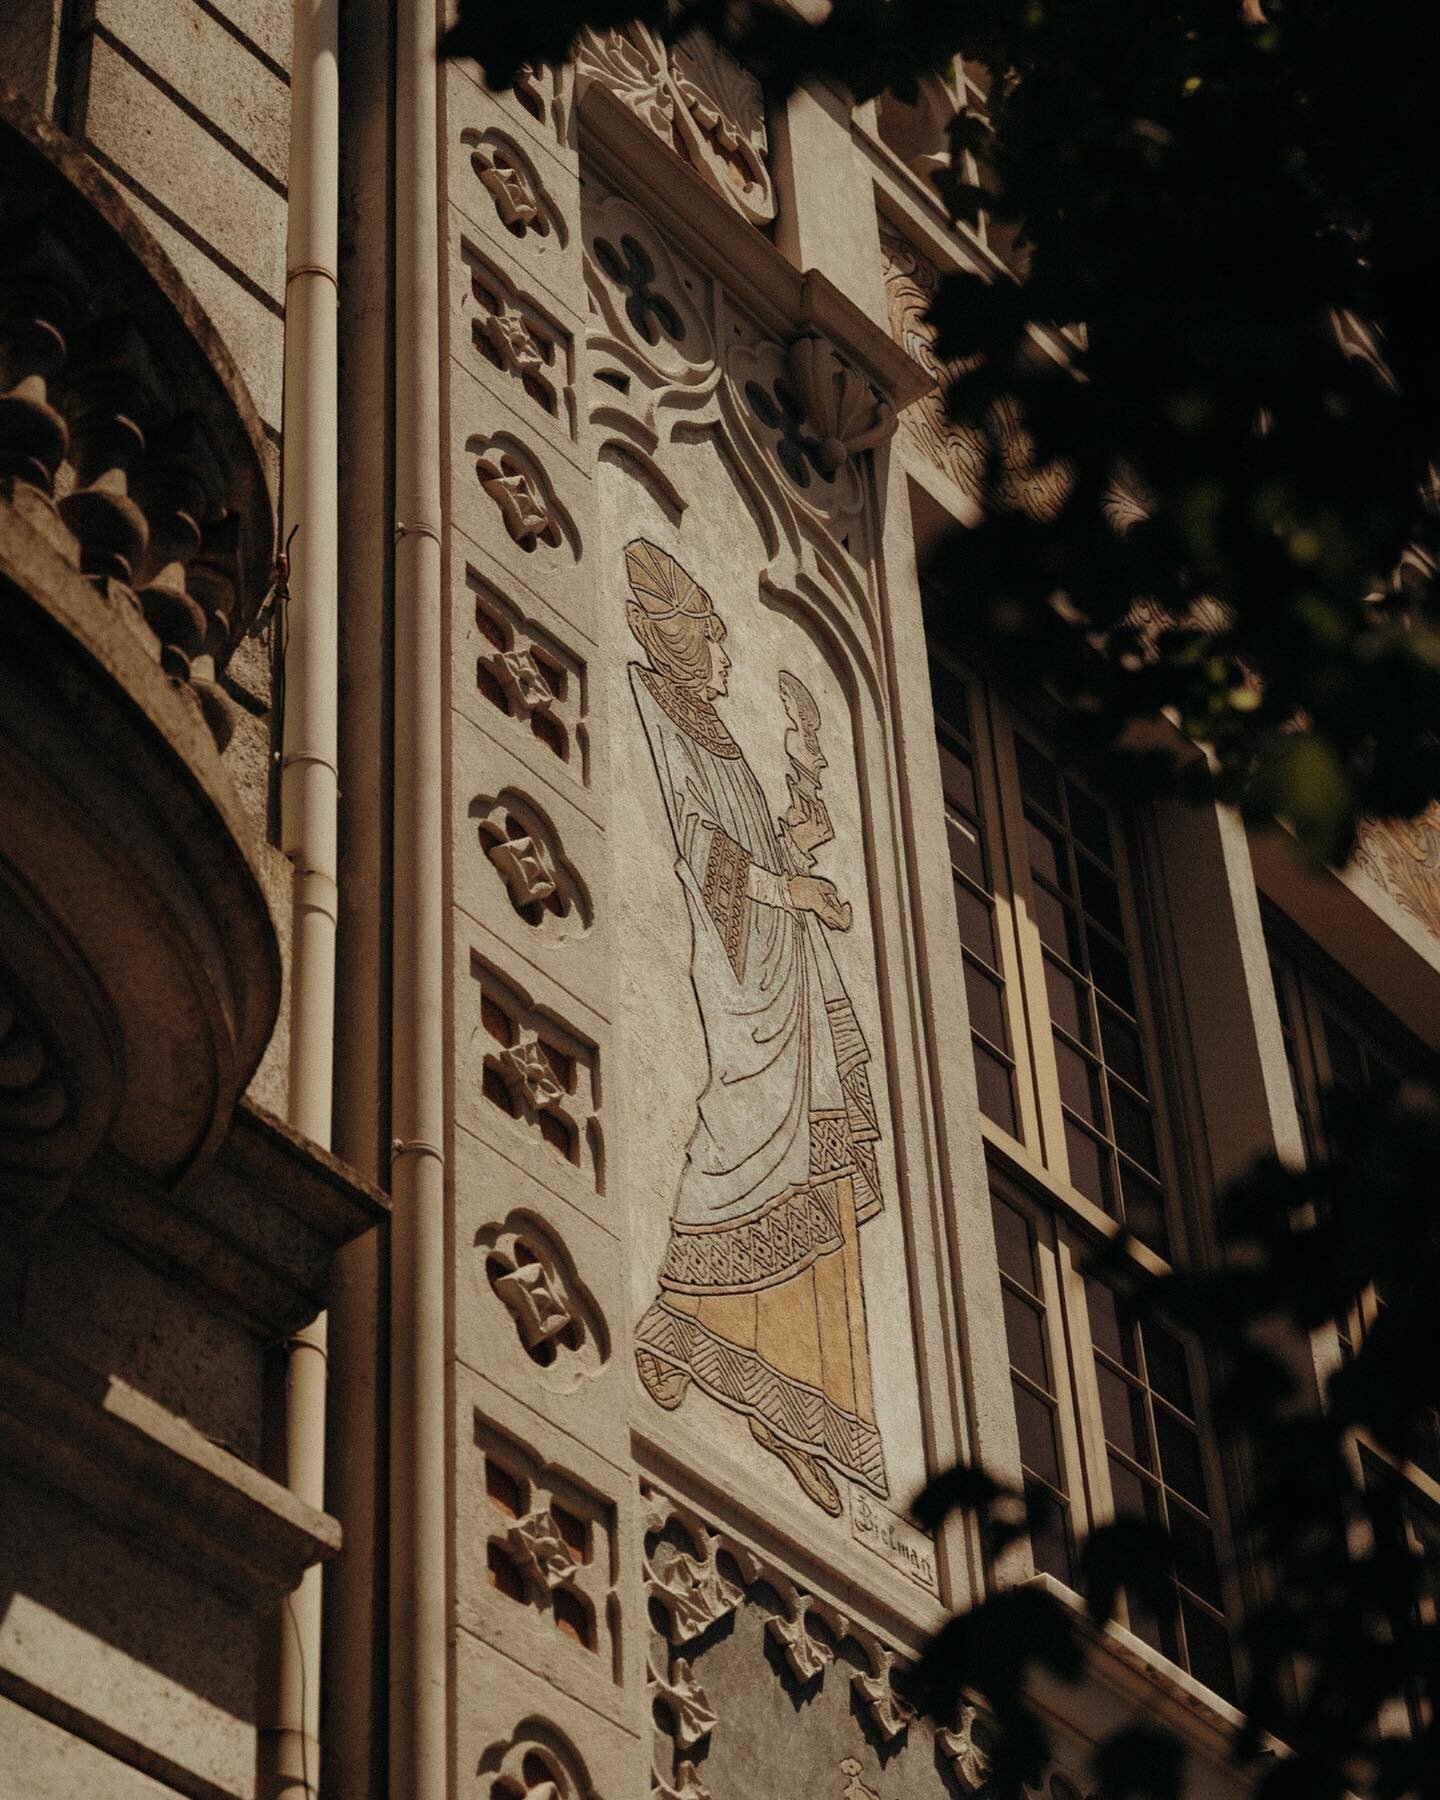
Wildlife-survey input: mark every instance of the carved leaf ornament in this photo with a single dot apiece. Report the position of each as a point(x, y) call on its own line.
point(698, 99)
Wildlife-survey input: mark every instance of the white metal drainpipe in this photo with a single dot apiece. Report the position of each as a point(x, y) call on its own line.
point(309, 789)
point(419, 1730)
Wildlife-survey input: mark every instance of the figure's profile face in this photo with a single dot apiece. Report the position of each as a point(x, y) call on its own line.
point(718, 680)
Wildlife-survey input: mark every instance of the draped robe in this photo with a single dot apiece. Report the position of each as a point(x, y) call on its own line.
point(760, 1298)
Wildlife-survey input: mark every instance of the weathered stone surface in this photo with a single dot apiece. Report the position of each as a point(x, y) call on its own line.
point(193, 53)
point(156, 149)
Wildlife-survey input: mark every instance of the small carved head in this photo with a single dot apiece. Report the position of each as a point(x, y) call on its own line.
point(674, 621)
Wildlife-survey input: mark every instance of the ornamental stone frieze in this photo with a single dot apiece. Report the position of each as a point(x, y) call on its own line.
point(698, 100)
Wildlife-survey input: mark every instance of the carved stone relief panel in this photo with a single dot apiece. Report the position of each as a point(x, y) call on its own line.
point(550, 1544)
point(773, 1649)
point(512, 332)
point(1403, 855)
point(751, 1673)
point(958, 451)
point(509, 176)
point(698, 99)
point(525, 673)
point(540, 1073)
point(559, 1325)
point(523, 846)
point(513, 479)
point(759, 1165)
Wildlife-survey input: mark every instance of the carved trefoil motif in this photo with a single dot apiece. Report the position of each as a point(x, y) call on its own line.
point(537, 1763)
point(557, 1320)
point(513, 479)
point(513, 184)
point(523, 846)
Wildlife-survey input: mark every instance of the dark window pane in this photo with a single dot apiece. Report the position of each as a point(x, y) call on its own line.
point(1209, 1645)
point(1012, 1244)
point(957, 777)
point(1135, 1498)
point(1049, 855)
point(1100, 897)
point(1123, 1409)
point(1180, 1461)
point(1090, 1169)
point(995, 1088)
point(1079, 1082)
point(1345, 1056)
point(1195, 1562)
point(1111, 1328)
point(1110, 969)
point(1145, 1210)
point(1049, 1535)
point(1038, 777)
point(1166, 1367)
point(1025, 1335)
point(1069, 1002)
point(952, 703)
point(1162, 1633)
point(1088, 822)
point(977, 930)
point(966, 851)
point(1121, 1043)
point(1134, 1127)
point(1057, 924)
point(986, 999)
point(1036, 1423)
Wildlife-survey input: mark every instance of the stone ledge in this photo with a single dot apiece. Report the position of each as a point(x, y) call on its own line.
point(257, 1229)
point(150, 1476)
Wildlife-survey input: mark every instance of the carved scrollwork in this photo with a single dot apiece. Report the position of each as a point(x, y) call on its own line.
point(1403, 855)
point(890, 1714)
point(959, 451)
point(805, 1654)
point(559, 1325)
point(844, 412)
point(631, 61)
point(523, 846)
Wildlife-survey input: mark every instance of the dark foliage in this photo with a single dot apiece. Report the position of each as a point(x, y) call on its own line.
point(1242, 214)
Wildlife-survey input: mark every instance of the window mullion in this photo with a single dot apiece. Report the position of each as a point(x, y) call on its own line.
point(1045, 1079)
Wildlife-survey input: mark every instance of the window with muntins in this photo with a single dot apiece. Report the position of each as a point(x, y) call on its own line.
point(1110, 1411)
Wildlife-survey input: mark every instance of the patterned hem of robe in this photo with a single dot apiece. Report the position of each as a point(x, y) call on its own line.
point(786, 1233)
point(801, 1415)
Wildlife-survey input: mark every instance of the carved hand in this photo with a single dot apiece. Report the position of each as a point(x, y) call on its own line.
point(813, 893)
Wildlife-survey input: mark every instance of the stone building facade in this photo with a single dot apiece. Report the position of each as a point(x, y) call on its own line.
point(741, 1024)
